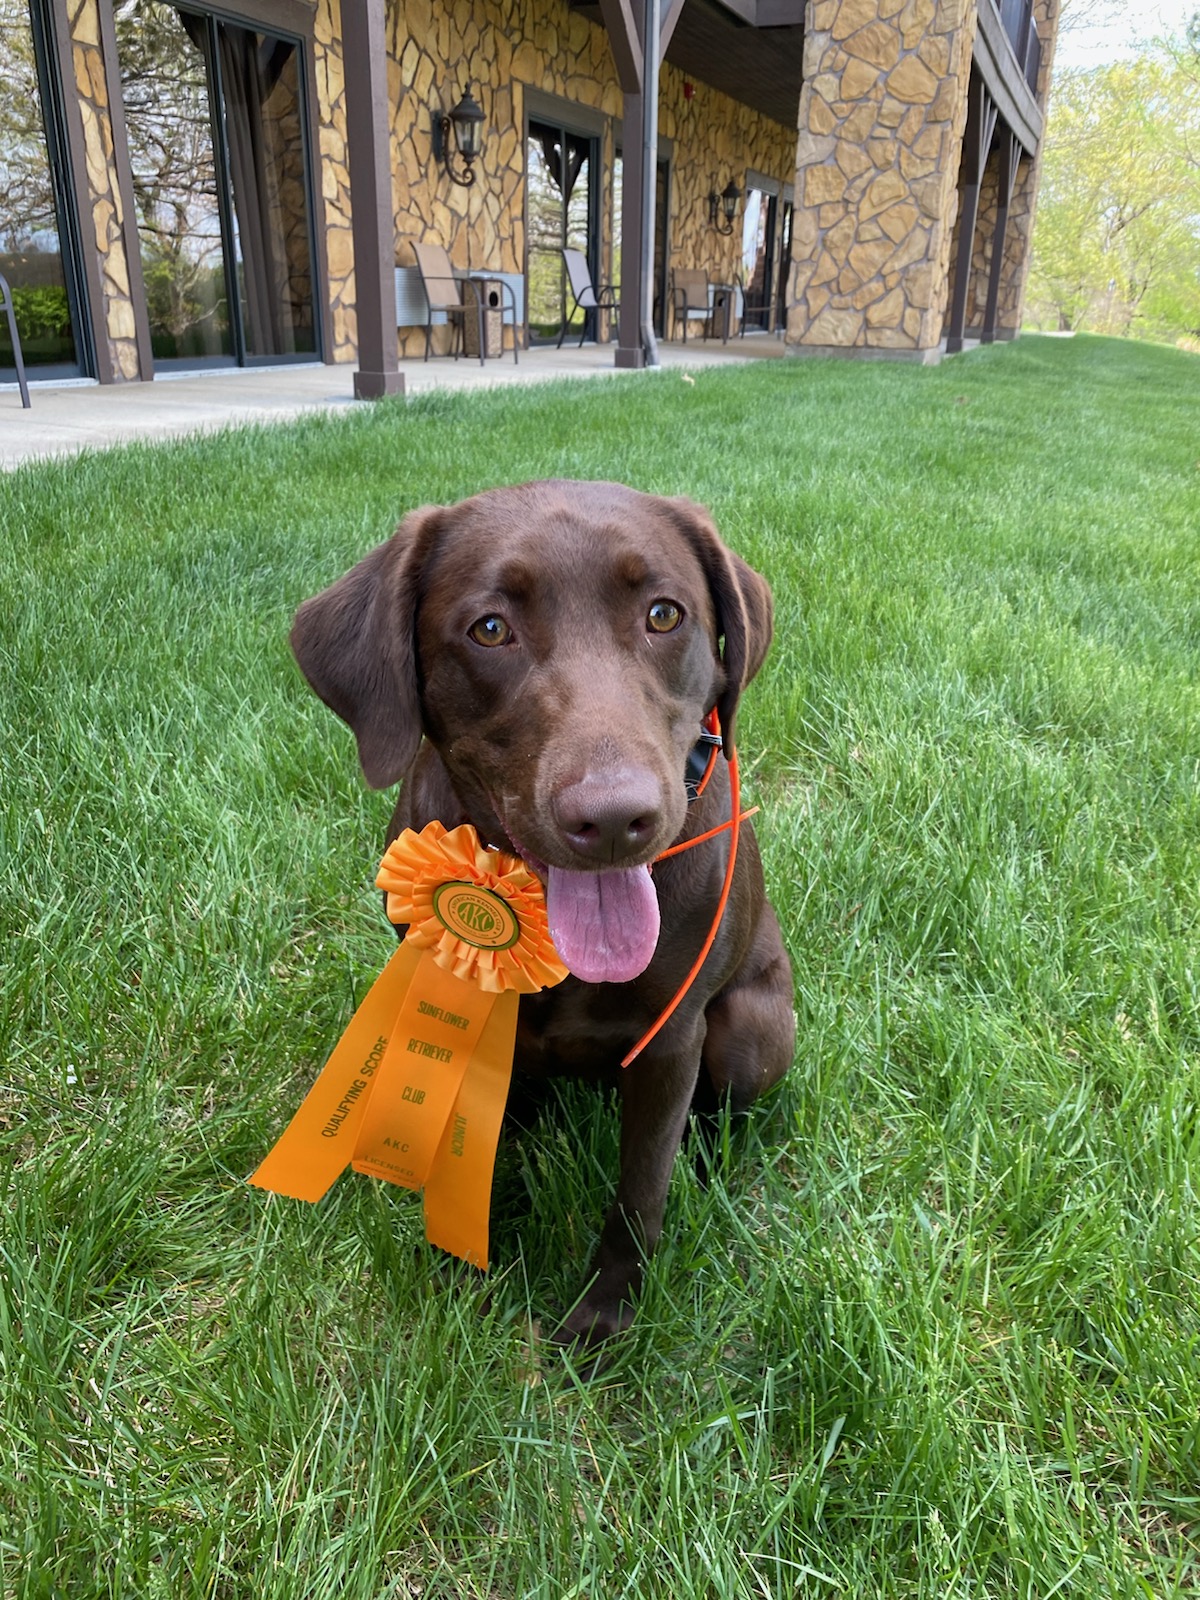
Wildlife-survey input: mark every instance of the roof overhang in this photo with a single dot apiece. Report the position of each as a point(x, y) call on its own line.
point(751, 50)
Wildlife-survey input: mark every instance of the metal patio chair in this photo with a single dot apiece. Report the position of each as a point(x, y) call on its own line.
point(691, 300)
point(587, 297)
point(457, 296)
point(444, 295)
point(18, 359)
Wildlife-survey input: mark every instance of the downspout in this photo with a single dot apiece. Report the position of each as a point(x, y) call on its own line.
point(650, 51)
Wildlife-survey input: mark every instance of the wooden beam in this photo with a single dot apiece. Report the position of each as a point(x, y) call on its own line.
point(994, 59)
point(625, 42)
point(368, 139)
point(629, 320)
point(765, 13)
point(779, 14)
point(91, 288)
point(625, 23)
point(981, 124)
point(1010, 160)
point(746, 11)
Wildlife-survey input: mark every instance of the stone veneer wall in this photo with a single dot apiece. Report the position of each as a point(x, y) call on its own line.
point(985, 232)
point(437, 47)
point(1011, 292)
point(1016, 248)
point(505, 47)
point(106, 218)
point(715, 139)
point(882, 113)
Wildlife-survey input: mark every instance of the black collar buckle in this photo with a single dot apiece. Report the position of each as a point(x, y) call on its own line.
point(697, 763)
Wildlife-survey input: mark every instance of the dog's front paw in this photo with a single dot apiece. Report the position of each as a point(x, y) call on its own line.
point(606, 1306)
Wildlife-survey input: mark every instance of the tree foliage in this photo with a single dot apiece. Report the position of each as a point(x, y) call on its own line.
point(27, 216)
point(1117, 243)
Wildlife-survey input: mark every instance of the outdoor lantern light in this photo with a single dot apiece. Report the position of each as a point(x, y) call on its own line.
point(722, 207)
point(465, 122)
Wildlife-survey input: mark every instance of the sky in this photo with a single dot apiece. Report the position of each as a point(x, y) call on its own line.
point(1121, 26)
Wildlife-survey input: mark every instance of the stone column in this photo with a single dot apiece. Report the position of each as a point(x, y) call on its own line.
point(114, 318)
point(882, 111)
point(334, 178)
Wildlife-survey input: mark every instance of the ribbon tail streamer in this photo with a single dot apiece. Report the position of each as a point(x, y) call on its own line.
point(458, 1191)
point(433, 1042)
point(316, 1146)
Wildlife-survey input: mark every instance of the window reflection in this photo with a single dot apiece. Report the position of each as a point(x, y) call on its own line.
point(31, 256)
point(560, 210)
point(216, 144)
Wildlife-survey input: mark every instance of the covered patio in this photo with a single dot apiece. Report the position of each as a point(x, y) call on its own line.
point(212, 187)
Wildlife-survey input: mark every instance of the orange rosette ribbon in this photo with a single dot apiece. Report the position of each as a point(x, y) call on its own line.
point(429, 877)
point(415, 1090)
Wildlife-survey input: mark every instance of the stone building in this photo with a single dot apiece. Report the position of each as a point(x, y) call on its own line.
point(245, 183)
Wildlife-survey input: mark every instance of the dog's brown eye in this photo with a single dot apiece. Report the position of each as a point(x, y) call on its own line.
point(490, 631)
point(664, 616)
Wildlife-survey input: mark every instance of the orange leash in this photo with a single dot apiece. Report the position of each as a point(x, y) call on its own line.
point(702, 838)
point(734, 826)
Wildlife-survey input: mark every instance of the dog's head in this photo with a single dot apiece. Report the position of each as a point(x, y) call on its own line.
point(559, 645)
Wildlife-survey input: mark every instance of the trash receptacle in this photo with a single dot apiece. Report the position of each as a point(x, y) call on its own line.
point(491, 294)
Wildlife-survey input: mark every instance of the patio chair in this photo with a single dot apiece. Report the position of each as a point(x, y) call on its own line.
point(586, 296)
point(444, 295)
point(18, 360)
point(690, 300)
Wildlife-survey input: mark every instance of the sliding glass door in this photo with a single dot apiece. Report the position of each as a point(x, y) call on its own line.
point(759, 221)
point(562, 210)
point(216, 120)
point(766, 252)
point(38, 239)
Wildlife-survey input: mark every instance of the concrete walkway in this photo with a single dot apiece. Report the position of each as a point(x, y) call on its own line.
point(67, 417)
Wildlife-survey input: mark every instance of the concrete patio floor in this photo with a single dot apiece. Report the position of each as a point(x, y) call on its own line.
point(68, 417)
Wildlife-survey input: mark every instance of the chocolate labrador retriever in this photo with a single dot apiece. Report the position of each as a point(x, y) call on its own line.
point(538, 661)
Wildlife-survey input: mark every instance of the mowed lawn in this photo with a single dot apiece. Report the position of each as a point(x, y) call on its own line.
point(933, 1326)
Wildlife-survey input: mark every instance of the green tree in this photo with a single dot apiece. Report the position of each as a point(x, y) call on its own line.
point(26, 193)
point(1117, 243)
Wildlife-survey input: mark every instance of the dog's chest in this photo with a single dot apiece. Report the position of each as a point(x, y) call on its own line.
point(583, 1029)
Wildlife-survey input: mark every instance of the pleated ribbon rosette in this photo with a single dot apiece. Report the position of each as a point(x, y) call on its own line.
point(415, 1090)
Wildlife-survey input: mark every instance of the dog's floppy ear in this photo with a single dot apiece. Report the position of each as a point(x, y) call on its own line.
point(354, 643)
point(743, 604)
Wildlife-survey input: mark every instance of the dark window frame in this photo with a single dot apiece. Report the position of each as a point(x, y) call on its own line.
point(568, 116)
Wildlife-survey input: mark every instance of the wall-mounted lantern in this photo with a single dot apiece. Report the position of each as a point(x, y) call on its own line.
point(459, 134)
point(722, 208)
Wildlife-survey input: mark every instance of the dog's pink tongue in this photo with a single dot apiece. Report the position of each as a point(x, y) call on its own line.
point(604, 924)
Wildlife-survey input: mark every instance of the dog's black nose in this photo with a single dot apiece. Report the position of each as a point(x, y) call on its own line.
point(609, 817)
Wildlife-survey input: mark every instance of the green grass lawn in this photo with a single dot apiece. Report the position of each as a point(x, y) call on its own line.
point(934, 1327)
